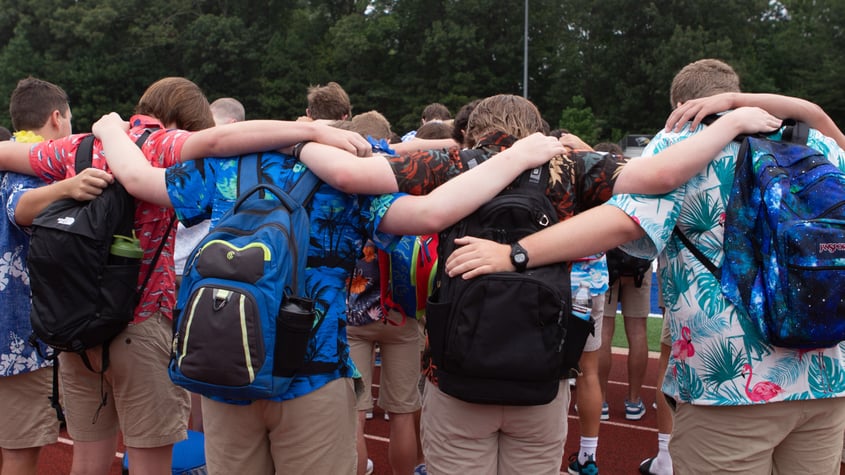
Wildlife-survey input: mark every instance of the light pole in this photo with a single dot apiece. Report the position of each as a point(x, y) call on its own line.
point(525, 56)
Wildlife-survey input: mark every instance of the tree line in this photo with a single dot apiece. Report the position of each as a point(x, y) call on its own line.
point(599, 68)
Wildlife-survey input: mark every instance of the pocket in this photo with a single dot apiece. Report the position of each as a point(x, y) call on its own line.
point(507, 326)
point(293, 332)
point(804, 314)
point(220, 338)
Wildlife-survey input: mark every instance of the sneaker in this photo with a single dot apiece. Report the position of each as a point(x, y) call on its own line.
point(605, 411)
point(420, 470)
point(386, 416)
point(370, 467)
point(634, 411)
point(588, 468)
point(645, 466)
point(368, 415)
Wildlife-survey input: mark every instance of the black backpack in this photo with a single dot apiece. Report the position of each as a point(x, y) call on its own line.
point(622, 264)
point(79, 299)
point(502, 338)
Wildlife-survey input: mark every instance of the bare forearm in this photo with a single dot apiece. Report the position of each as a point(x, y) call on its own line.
point(348, 173)
point(14, 156)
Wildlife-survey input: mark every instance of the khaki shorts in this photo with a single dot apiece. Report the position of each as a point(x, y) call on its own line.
point(311, 434)
point(480, 439)
point(594, 340)
point(141, 401)
point(400, 363)
point(778, 438)
point(27, 419)
point(665, 333)
point(636, 301)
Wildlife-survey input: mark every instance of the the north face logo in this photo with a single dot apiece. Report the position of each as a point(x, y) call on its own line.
point(68, 221)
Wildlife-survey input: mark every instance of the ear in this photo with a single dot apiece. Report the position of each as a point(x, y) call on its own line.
point(55, 119)
point(307, 112)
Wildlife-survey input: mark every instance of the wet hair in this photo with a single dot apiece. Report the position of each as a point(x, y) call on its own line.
point(176, 100)
point(32, 102)
point(703, 78)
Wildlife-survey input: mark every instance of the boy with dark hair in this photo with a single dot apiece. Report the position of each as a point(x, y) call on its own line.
point(39, 111)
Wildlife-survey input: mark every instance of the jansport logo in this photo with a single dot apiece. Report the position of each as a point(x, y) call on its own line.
point(68, 221)
point(831, 247)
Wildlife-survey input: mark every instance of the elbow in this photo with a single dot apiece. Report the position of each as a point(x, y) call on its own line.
point(433, 220)
point(340, 180)
point(665, 180)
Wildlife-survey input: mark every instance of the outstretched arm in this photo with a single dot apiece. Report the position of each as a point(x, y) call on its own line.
point(675, 165)
point(597, 229)
point(14, 156)
point(128, 163)
point(462, 195)
point(83, 187)
point(785, 107)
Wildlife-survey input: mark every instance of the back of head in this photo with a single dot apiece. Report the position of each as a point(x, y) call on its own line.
point(435, 111)
point(513, 115)
point(32, 102)
point(176, 100)
point(459, 125)
point(5, 134)
point(703, 78)
point(611, 147)
point(328, 102)
point(370, 123)
point(435, 130)
point(227, 110)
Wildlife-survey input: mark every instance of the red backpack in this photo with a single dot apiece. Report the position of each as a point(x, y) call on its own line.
point(406, 275)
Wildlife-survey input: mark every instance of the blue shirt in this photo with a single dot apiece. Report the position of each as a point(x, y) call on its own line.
point(17, 356)
point(340, 225)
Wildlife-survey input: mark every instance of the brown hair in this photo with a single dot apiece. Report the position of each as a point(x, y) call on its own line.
point(513, 115)
point(328, 102)
point(32, 102)
point(703, 78)
point(370, 123)
point(435, 130)
point(436, 111)
point(176, 100)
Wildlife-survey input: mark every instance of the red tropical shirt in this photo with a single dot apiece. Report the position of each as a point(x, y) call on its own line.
point(55, 160)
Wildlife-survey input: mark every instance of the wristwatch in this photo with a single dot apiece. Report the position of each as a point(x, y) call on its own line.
point(519, 257)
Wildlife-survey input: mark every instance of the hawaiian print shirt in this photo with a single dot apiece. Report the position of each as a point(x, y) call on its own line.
point(717, 359)
point(340, 224)
point(17, 355)
point(55, 160)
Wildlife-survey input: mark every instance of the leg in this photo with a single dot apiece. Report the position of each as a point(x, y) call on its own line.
point(19, 461)
point(608, 327)
point(151, 460)
point(361, 344)
point(93, 457)
point(403, 443)
point(661, 464)
point(635, 330)
point(361, 444)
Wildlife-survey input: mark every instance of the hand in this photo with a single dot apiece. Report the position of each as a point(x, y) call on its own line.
point(88, 184)
point(572, 141)
point(698, 109)
point(477, 257)
point(750, 120)
point(347, 140)
point(107, 121)
point(536, 149)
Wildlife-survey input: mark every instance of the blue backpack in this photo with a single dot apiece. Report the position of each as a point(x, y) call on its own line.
point(784, 265)
point(242, 325)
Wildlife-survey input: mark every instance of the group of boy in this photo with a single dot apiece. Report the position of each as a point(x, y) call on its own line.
point(311, 428)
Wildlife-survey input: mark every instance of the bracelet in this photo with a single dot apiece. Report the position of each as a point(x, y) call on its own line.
point(297, 149)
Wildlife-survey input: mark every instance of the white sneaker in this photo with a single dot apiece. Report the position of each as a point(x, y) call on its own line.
point(368, 415)
point(386, 416)
point(370, 467)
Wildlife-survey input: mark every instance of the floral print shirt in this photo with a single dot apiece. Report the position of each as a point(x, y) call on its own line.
point(717, 357)
point(17, 355)
point(340, 225)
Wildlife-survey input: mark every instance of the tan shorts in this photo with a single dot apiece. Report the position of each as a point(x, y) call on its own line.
point(480, 439)
point(665, 333)
point(311, 434)
point(594, 340)
point(778, 438)
point(141, 401)
point(27, 419)
point(636, 301)
point(400, 364)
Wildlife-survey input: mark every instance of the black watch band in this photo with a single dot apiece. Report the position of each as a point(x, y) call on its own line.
point(519, 257)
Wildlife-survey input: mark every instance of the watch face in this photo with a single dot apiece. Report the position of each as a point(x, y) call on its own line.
point(519, 258)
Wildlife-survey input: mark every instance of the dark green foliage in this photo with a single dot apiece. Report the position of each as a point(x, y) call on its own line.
point(396, 56)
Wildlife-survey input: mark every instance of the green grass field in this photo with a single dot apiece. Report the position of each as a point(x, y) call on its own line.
point(653, 326)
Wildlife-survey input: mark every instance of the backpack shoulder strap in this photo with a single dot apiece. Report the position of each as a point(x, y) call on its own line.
point(249, 176)
point(536, 177)
point(305, 187)
point(84, 153)
point(472, 157)
point(716, 271)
